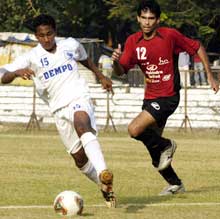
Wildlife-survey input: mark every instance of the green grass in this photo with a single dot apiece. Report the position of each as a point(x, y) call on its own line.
point(34, 168)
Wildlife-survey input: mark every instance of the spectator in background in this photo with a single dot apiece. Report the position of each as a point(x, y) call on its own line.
point(183, 65)
point(105, 65)
point(199, 75)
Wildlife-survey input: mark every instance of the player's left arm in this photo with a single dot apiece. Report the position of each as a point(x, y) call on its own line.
point(106, 82)
point(205, 60)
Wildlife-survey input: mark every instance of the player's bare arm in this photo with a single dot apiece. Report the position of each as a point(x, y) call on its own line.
point(118, 69)
point(24, 73)
point(105, 81)
point(203, 56)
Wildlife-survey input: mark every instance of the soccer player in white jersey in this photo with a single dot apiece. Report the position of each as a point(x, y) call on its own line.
point(52, 65)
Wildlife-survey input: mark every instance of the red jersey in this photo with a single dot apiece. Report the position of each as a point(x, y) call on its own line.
point(155, 57)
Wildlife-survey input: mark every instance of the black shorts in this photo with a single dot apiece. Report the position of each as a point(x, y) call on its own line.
point(161, 108)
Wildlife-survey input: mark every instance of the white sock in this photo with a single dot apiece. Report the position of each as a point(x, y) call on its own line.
point(89, 170)
point(93, 151)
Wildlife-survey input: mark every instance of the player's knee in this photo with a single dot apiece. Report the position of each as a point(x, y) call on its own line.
point(132, 131)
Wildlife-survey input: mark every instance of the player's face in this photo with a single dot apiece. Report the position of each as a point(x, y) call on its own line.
point(46, 37)
point(148, 23)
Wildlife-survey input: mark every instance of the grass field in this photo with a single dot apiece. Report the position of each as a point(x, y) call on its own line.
point(34, 168)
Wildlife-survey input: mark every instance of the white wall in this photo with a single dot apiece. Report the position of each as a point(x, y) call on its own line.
point(16, 105)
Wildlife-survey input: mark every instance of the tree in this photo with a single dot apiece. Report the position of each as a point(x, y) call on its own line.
point(74, 17)
point(13, 15)
point(114, 20)
point(198, 19)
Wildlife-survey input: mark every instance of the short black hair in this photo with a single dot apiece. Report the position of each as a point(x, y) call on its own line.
point(150, 5)
point(43, 19)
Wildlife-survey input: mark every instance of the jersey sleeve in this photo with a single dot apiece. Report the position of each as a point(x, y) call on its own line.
point(183, 43)
point(78, 49)
point(81, 52)
point(127, 58)
point(19, 63)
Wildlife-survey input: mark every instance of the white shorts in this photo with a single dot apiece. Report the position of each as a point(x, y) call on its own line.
point(64, 119)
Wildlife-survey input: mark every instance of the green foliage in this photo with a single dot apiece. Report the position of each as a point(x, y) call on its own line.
point(13, 15)
point(74, 17)
point(199, 16)
point(123, 10)
point(206, 30)
point(113, 18)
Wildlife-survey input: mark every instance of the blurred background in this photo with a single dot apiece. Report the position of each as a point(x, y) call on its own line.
point(113, 20)
point(100, 25)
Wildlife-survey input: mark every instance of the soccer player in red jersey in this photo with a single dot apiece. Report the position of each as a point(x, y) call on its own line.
point(155, 50)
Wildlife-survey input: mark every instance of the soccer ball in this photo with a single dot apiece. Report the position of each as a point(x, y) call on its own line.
point(68, 203)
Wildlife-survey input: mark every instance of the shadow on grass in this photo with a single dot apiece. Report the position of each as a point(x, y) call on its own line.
point(86, 215)
point(135, 204)
point(204, 189)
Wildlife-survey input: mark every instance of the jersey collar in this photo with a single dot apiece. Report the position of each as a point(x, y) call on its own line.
point(158, 34)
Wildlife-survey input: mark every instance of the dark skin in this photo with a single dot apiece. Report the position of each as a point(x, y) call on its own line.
point(46, 37)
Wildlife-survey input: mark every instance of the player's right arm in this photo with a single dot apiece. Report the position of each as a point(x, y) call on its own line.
point(24, 73)
point(18, 68)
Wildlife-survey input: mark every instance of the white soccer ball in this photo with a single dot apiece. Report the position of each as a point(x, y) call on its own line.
point(68, 203)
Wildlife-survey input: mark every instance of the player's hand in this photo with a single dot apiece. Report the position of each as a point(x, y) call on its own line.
point(24, 73)
point(107, 84)
point(214, 84)
point(117, 53)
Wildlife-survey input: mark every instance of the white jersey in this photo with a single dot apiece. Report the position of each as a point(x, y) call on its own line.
point(57, 79)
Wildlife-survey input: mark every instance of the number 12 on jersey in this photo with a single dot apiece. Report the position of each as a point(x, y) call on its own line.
point(141, 53)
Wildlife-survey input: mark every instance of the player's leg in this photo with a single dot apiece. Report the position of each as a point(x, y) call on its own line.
point(161, 150)
point(84, 165)
point(105, 178)
point(89, 140)
point(175, 183)
point(84, 123)
point(155, 143)
point(64, 120)
point(168, 174)
point(73, 145)
point(93, 151)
